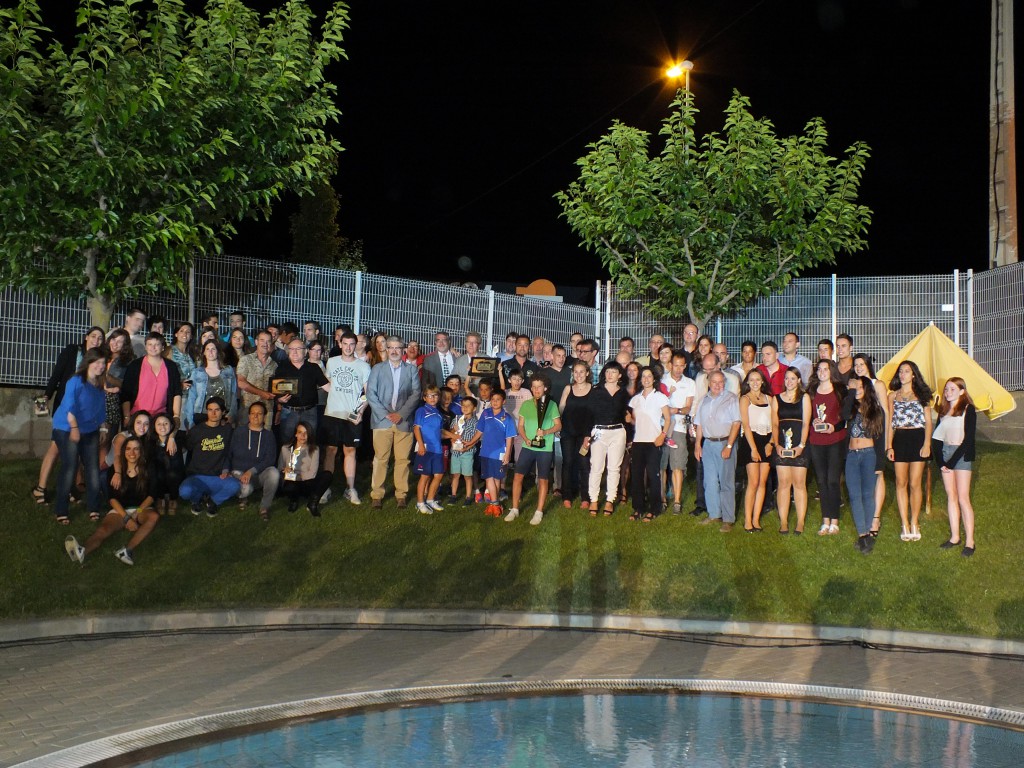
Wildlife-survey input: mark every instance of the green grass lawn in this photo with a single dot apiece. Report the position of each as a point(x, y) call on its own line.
point(355, 557)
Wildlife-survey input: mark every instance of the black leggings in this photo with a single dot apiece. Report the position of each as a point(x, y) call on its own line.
point(307, 489)
point(646, 476)
point(829, 461)
point(575, 468)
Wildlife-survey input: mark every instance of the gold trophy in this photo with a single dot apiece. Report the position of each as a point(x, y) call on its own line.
point(819, 424)
point(787, 452)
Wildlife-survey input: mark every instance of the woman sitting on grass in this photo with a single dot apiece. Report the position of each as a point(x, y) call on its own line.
point(954, 452)
point(166, 465)
point(301, 477)
point(131, 508)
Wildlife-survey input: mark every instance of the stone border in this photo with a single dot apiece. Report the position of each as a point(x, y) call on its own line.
point(124, 744)
point(116, 624)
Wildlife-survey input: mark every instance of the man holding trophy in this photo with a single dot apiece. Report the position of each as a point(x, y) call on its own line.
point(538, 422)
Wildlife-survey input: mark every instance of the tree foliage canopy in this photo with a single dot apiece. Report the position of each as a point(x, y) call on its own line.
point(702, 230)
point(135, 149)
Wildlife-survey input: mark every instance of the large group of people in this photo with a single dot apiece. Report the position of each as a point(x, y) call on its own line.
point(222, 414)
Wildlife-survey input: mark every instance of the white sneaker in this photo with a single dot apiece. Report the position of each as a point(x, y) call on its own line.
point(512, 515)
point(434, 505)
point(75, 551)
point(423, 509)
point(352, 496)
point(537, 517)
point(326, 497)
point(124, 556)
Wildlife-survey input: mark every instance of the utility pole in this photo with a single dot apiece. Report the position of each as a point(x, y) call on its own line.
point(1002, 191)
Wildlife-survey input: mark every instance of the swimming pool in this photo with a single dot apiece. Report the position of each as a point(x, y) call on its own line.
point(605, 729)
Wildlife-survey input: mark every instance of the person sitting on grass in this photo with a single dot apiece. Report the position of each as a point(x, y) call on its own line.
point(299, 464)
point(429, 461)
point(131, 508)
point(465, 438)
point(538, 422)
point(496, 428)
point(208, 482)
point(253, 452)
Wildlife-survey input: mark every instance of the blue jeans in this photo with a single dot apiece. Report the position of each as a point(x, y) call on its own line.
point(88, 449)
point(290, 420)
point(860, 482)
point(719, 481)
point(197, 486)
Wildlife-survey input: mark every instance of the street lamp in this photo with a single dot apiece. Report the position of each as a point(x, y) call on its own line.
point(682, 69)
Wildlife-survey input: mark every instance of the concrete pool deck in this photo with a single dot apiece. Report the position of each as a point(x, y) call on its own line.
point(66, 683)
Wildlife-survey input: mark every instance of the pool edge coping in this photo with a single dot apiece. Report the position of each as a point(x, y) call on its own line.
point(185, 621)
point(123, 744)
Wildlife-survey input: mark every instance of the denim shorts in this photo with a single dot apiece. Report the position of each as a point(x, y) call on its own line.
point(949, 450)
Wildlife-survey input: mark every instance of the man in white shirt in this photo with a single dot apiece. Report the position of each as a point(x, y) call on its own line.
point(681, 391)
point(346, 405)
point(439, 364)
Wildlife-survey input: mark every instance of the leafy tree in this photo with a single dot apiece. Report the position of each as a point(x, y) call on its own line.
point(135, 149)
point(704, 230)
point(316, 238)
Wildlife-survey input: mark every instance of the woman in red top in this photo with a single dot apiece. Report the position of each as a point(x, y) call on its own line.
point(827, 439)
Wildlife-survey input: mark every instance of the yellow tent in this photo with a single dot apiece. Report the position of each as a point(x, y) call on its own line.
point(939, 359)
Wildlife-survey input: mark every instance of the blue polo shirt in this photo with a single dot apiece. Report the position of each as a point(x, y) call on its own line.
point(428, 419)
point(496, 429)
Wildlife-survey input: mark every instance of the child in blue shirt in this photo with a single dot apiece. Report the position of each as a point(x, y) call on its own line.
point(429, 460)
point(497, 427)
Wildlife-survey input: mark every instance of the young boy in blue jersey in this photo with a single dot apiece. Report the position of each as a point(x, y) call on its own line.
point(497, 427)
point(429, 460)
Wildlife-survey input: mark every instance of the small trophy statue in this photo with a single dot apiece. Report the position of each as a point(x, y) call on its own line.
point(819, 423)
point(787, 451)
point(460, 424)
point(542, 408)
point(291, 473)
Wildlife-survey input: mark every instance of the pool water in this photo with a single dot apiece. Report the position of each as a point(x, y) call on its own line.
point(619, 730)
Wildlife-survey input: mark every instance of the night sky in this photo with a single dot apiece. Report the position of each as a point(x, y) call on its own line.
point(462, 119)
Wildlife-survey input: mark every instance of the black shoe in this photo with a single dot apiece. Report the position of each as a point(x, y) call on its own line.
point(867, 544)
point(697, 511)
point(859, 543)
point(967, 551)
point(948, 544)
point(293, 504)
point(314, 507)
point(211, 508)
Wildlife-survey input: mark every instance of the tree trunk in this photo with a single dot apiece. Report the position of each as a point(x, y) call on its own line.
point(101, 309)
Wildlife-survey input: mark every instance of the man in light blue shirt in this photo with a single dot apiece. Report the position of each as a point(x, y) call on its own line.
point(717, 422)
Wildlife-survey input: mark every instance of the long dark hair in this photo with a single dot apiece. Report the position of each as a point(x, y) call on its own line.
point(922, 391)
point(766, 387)
point(89, 357)
point(833, 376)
point(871, 413)
point(127, 354)
point(141, 476)
point(869, 364)
point(310, 436)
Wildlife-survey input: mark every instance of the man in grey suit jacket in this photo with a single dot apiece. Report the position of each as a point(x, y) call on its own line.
point(393, 392)
point(474, 342)
point(439, 364)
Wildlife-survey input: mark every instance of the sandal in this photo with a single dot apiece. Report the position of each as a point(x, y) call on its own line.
point(265, 515)
point(649, 517)
point(593, 508)
point(635, 516)
point(40, 496)
point(823, 531)
point(876, 526)
point(608, 509)
point(63, 520)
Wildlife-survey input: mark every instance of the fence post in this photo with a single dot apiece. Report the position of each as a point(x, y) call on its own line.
point(970, 313)
point(718, 330)
point(357, 303)
point(192, 293)
point(607, 317)
point(597, 311)
point(835, 309)
point(490, 320)
point(956, 307)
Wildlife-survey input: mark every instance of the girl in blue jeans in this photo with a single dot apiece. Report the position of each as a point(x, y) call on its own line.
point(866, 424)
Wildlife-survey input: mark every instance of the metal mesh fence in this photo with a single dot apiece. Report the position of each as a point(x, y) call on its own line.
point(998, 323)
point(984, 313)
point(881, 314)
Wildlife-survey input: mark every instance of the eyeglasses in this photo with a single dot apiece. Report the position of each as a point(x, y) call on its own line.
point(394, 349)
